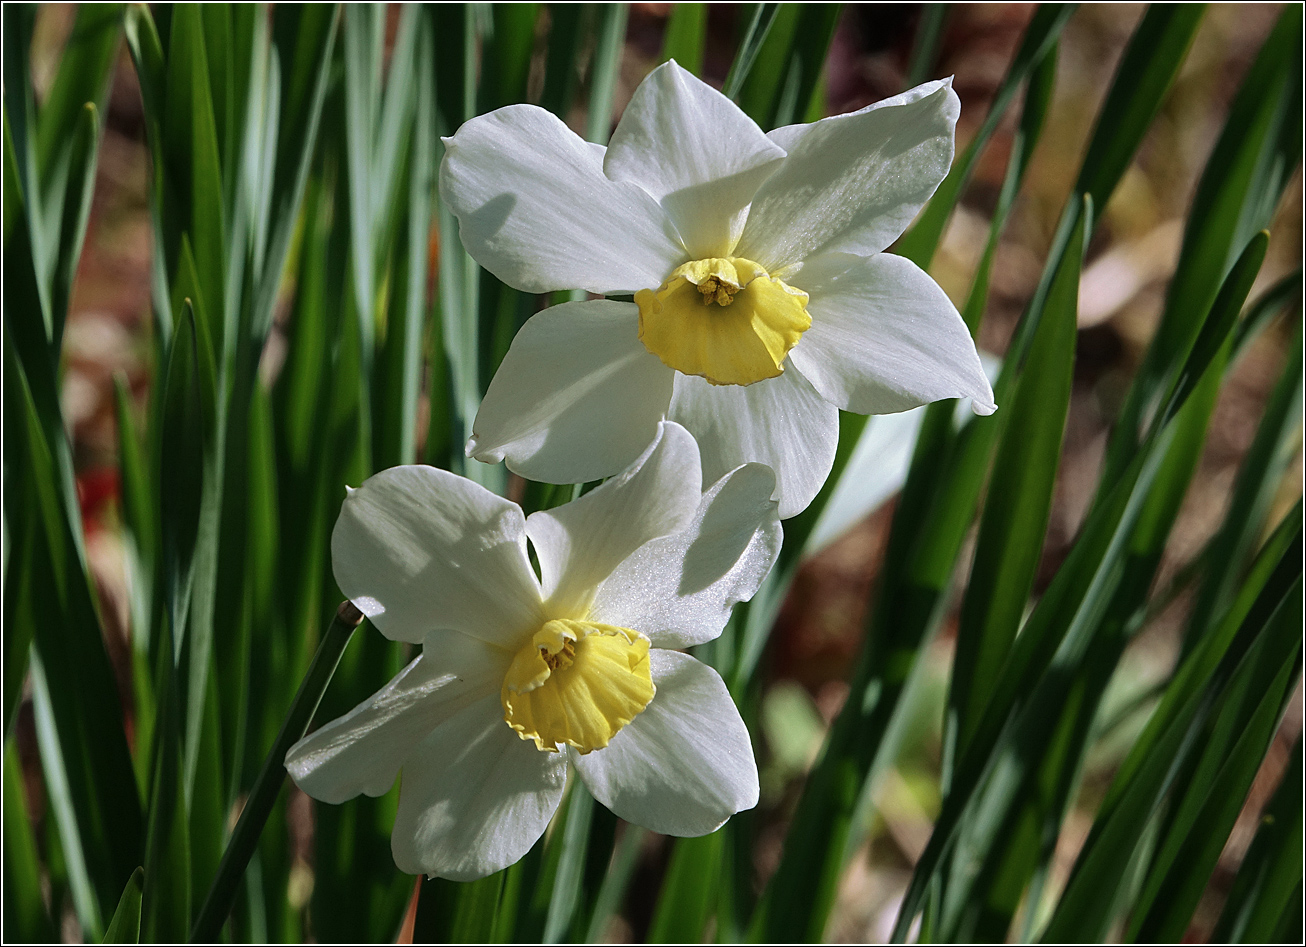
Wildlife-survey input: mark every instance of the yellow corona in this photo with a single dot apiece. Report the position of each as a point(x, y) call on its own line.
point(577, 683)
point(725, 319)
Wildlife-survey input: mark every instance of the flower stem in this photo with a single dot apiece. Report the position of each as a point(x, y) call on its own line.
point(222, 893)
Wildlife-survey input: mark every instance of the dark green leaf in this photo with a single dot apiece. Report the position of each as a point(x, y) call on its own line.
point(303, 37)
point(244, 839)
point(685, 36)
point(1210, 805)
point(799, 96)
point(757, 20)
point(195, 176)
point(616, 882)
point(25, 915)
point(1266, 583)
point(539, 870)
point(74, 855)
point(1270, 873)
point(507, 55)
point(190, 502)
point(125, 928)
point(151, 73)
point(1075, 634)
point(28, 338)
point(929, 33)
point(1038, 97)
point(395, 127)
point(1265, 667)
point(564, 901)
point(478, 904)
point(1253, 491)
point(85, 67)
point(688, 891)
point(1151, 61)
point(19, 591)
point(137, 513)
point(1266, 307)
point(20, 117)
point(363, 36)
point(166, 897)
point(768, 69)
point(220, 59)
point(207, 809)
point(399, 381)
point(259, 582)
point(13, 194)
point(80, 177)
point(1234, 198)
point(459, 276)
point(84, 752)
point(1020, 500)
point(604, 68)
point(1217, 327)
point(782, 82)
point(569, 27)
point(65, 152)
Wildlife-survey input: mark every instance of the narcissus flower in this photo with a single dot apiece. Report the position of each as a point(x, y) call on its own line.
point(521, 676)
point(763, 302)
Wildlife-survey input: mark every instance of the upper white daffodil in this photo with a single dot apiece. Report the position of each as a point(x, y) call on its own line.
point(519, 675)
point(762, 300)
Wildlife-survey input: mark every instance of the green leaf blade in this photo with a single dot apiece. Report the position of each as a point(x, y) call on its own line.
point(125, 927)
point(685, 36)
point(1020, 497)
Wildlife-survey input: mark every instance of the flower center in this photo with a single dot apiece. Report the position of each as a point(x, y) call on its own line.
point(725, 319)
point(577, 683)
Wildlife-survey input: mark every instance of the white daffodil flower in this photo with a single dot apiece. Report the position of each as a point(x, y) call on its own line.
point(519, 677)
point(763, 302)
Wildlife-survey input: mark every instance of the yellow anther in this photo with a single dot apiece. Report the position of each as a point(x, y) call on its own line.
point(577, 683)
point(715, 291)
point(739, 347)
point(562, 659)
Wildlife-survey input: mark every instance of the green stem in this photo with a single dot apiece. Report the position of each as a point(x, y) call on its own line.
point(222, 893)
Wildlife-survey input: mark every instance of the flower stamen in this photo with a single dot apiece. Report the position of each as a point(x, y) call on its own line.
point(560, 660)
point(716, 291)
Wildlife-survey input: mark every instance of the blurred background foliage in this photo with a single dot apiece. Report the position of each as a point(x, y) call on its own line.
point(229, 292)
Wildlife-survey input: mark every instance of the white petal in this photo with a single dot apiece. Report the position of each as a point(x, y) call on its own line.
point(852, 183)
point(685, 764)
point(474, 797)
point(781, 422)
point(579, 544)
point(535, 208)
point(695, 151)
point(678, 591)
point(788, 136)
point(577, 397)
point(885, 337)
point(362, 751)
point(419, 549)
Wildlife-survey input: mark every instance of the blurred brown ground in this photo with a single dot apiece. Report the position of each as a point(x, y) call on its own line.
point(1129, 264)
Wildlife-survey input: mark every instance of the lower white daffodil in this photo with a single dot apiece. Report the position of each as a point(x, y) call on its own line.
point(519, 677)
point(763, 302)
